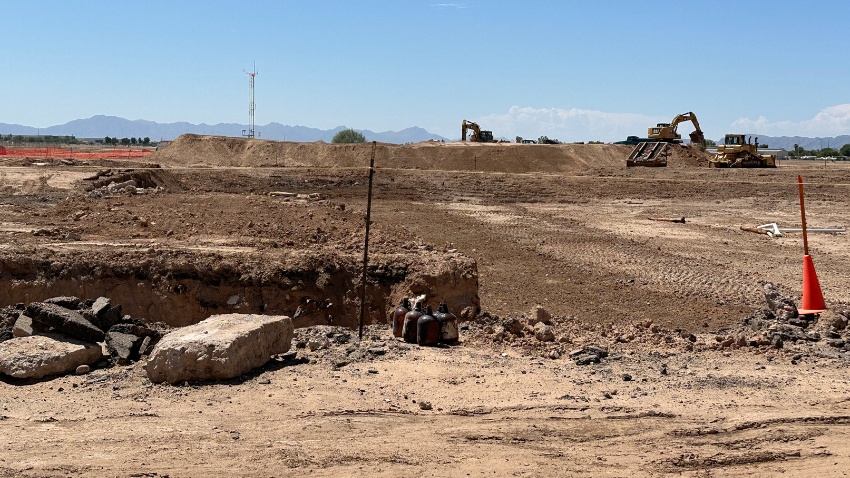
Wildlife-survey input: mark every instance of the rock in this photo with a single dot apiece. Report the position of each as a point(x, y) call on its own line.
point(220, 347)
point(837, 321)
point(123, 347)
point(100, 306)
point(41, 355)
point(83, 369)
point(67, 302)
point(780, 305)
point(588, 355)
point(146, 347)
point(137, 330)
point(67, 321)
point(654, 328)
point(544, 333)
point(554, 355)
point(25, 327)
point(423, 405)
point(821, 352)
point(512, 326)
point(112, 317)
point(837, 343)
point(377, 351)
point(627, 377)
point(541, 315)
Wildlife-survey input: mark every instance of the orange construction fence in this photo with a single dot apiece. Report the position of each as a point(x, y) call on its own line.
point(66, 153)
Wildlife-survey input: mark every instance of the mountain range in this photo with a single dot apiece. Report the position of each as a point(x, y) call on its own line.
point(100, 126)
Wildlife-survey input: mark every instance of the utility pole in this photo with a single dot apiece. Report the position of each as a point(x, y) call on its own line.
point(250, 132)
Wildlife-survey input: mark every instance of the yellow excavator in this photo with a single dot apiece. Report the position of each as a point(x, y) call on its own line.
point(666, 132)
point(477, 136)
point(737, 152)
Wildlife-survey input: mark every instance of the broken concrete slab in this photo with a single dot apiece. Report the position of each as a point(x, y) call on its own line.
point(42, 355)
point(26, 327)
point(220, 347)
point(64, 320)
point(123, 347)
point(66, 302)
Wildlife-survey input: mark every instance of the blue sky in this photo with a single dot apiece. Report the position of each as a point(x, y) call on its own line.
point(571, 70)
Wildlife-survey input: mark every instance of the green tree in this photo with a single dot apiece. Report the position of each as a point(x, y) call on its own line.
point(763, 146)
point(107, 140)
point(133, 140)
point(146, 141)
point(519, 139)
point(125, 141)
point(348, 136)
point(827, 152)
point(709, 143)
point(845, 150)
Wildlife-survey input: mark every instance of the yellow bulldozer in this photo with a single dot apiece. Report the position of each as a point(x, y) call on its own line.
point(477, 136)
point(737, 152)
point(666, 132)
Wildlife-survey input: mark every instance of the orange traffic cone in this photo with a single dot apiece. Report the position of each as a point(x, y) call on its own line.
point(812, 296)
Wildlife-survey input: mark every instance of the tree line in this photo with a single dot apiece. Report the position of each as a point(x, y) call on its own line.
point(127, 141)
point(39, 139)
point(9, 138)
point(798, 152)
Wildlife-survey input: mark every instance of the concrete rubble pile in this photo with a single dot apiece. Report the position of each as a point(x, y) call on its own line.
point(780, 324)
point(123, 188)
point(339, 346)
point(65, 334)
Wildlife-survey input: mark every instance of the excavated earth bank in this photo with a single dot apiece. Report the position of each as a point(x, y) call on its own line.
point(196, 150)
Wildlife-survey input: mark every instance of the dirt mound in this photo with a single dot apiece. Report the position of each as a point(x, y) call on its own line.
point(219, 151)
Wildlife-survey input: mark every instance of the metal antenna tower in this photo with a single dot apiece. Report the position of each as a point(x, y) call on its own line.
point(250, 131)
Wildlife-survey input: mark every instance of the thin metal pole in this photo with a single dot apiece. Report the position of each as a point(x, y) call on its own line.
point(803, 214)
point(366, 245)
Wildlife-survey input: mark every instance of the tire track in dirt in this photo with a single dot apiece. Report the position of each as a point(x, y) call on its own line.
point(595, 249)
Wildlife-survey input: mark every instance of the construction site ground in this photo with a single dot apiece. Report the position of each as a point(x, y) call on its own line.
point(571, 232)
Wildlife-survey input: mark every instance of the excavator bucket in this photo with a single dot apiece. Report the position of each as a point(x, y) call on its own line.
point(652, 154)
point(697, 137)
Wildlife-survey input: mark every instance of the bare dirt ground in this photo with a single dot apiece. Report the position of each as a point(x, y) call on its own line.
point(574, 238)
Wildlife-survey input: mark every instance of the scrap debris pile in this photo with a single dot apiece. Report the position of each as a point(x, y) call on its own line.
point(66, 334)
point(122, 188)
point(776, 330)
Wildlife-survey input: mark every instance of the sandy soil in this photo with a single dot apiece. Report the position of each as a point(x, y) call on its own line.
point(574, 238)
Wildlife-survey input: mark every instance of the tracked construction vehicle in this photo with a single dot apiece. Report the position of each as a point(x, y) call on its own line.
point(667, 133)
point(653, 150)
point(736, 152)
point(478, 135)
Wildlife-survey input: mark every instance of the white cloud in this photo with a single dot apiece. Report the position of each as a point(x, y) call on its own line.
point(832, 121)
point(568, 125)
point(449, 5)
